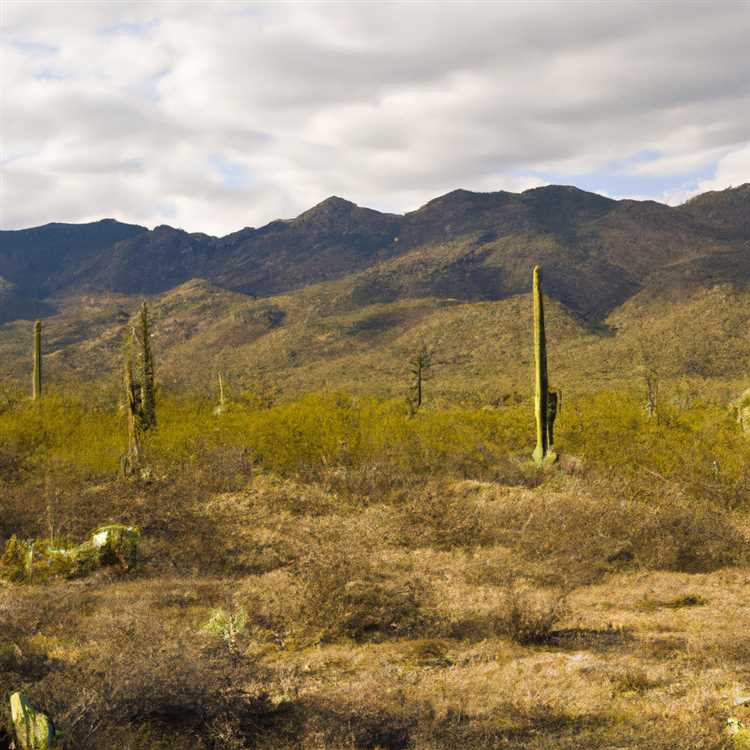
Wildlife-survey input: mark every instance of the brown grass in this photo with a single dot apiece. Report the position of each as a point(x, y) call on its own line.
point(466, 614)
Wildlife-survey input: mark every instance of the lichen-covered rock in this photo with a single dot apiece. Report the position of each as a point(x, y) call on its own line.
point(34, 730)
point(741, 410)
point(117, 545)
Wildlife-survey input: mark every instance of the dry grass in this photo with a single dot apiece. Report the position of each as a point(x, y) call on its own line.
point(469, 614)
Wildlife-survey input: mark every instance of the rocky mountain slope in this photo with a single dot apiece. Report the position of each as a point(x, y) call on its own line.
point(341, 294)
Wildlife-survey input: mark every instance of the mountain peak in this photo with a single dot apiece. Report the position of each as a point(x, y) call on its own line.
point(330, 207)
point(335, 201)
point(462, 199)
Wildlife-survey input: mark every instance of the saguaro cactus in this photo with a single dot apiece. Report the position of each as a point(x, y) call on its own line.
point(543, 452)
point(148, 395)
point(132, 458)
point(36, 385)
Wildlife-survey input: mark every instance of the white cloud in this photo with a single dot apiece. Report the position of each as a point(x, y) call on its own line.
point(123, 109)
point(733, 169)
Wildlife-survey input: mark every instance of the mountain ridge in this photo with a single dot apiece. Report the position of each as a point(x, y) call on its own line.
point(339, 282)
point(463, 244)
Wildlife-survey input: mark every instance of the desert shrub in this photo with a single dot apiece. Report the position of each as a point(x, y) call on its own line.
point(139, 678)
point(582, 535)
point(700, 450)
point(276, 493)
point(388, 722)
point(437, 517)
point(529, 616)
point(345, 592)
point(11, 463)
point(522, 613)
point(380, 447)
point(66, 430)
point(152, 677)
point(378, 481)
point(632, 680)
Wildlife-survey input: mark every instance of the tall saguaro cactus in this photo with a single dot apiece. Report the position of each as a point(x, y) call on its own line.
point(148, 395)
point(36, 385)
point(132, 458)
point(543, 399)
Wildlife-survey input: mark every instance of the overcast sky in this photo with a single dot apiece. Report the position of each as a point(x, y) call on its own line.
point(213, 116)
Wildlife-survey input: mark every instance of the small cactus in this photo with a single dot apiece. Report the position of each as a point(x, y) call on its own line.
point(36, 385)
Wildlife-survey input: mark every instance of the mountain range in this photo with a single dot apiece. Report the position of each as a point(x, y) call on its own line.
point(340, 294)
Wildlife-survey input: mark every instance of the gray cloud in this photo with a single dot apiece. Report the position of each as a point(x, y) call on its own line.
point(126, 109)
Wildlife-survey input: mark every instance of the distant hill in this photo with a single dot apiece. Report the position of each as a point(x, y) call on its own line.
point(36, 259)
point(343, 292)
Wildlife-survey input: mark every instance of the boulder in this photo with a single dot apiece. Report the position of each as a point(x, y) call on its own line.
point(34, 730)
point(116, 545)
point(741, 409)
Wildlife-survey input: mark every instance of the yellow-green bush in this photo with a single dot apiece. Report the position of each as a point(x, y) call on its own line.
point(699, 449)
point(62, 430)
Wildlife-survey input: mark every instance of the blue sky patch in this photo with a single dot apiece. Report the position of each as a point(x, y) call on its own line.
point(232, 173)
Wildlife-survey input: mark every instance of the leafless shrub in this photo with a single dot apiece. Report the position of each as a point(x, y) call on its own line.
point(436, 517)
point(345, 592)
point(581, 536)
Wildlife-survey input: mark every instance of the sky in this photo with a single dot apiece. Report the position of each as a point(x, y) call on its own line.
point(213, 116)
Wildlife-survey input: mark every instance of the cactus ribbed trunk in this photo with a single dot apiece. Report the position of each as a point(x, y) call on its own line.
point(541, 384)
point(36, 387)
point(148, 395)
point(132, 458)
